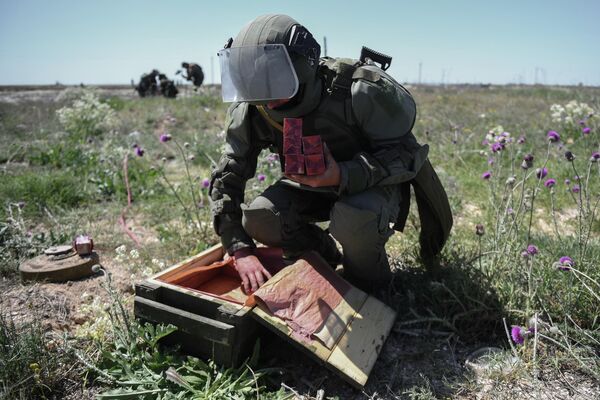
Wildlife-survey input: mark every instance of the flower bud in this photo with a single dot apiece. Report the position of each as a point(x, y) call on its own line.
point(479, 230)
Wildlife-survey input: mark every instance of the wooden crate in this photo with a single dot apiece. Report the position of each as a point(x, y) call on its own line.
point(225, 330)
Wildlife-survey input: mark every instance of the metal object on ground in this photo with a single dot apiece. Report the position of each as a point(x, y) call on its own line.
point(58, 264)
point(58, 250)
point(83, 244)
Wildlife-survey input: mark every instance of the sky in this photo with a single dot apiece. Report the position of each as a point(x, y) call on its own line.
point(460, 41)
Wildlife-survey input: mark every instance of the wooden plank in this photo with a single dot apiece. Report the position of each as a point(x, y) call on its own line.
point(201, 327)
point(148, 289)
point(313, 348)
point(206, 257)
point(356, 352)
point(337, 322)
point(174, 295)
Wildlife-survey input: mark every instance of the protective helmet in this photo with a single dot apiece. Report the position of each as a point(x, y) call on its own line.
point(271, 58)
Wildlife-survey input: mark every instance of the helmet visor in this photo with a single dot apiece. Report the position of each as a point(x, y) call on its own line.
point(257, 73)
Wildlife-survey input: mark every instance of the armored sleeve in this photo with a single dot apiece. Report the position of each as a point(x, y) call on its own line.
point(228, 179)
point(385, 112)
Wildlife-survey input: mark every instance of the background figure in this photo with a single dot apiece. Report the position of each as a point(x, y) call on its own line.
point(167, 87)
point(147, 85)
point(193, 73)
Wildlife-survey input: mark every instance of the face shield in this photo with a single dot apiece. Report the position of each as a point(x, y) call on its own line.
point(257, 73)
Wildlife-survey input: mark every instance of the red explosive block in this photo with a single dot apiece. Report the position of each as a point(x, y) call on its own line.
point(312, 145)
point(292, 145)
point(315, 164)
point(292, 136)
point(292, 126)
point(294, 164)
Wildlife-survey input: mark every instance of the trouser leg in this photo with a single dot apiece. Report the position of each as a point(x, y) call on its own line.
point(361, 223)
point(284, 217)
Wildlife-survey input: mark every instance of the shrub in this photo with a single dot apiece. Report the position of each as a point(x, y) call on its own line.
point(38, 192)
point(88, 116)
point(31, 365)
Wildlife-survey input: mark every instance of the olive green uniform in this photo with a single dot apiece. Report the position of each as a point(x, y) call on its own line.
point(365, 119)
point(367, 127)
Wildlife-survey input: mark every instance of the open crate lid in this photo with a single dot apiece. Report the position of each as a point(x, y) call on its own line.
point(351, 337)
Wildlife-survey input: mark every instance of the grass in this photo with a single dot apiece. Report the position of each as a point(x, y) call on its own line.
point(32, 365)
point(74, 181)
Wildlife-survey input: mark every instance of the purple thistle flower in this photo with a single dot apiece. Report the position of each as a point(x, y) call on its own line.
point(595, 156)
point(550, 183)
point(261, 177)
point(21, 204)
point(532, 249)
point(553, 136)
point(569, 156)
point(541, 172)
point(524, 254)
point(510, 211)
point(521, 140)
point(527, 161)
point(576, 178)
point(575, 189)
point(567, 181)
point(565, 263)
point(165, 137)
point(273, 157)
point(496, 147)
point(586, 130)
point(139, 151)
point(517, 334)
point(205, 183)
point(582, 122)
point(486, 175)
point(491, 161)
point(485, 142)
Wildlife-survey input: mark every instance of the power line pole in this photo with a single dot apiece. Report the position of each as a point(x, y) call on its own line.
point(325, 46)
point(212, 70)
point(420, 71)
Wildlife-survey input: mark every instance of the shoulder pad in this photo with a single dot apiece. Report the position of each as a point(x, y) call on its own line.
point(382, 107)
point(367, 74)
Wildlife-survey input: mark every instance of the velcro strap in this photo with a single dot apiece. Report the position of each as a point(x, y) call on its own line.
point(343, 79)
point(366, 74)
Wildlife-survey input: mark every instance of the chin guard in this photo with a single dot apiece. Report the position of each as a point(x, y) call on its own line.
point(376, 57)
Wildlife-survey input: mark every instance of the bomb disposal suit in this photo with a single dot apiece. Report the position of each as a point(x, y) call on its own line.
point(272, 70)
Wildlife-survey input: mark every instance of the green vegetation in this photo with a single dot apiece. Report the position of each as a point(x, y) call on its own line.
point(64, 173)
point(31, 365)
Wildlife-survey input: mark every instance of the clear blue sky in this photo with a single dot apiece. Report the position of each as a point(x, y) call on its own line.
point(110, 41)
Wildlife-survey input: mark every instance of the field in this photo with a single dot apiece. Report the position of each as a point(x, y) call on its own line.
point(519, 273)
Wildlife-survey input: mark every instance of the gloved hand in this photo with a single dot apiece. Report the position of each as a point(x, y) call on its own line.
point(251, 270)
point(331, 176)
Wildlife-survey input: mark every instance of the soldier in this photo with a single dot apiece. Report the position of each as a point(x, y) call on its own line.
point(167, 87)
point(272, 71)
point(147, 85)
point(193, 73)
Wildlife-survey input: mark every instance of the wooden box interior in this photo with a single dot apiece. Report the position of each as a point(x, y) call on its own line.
point(211, 276)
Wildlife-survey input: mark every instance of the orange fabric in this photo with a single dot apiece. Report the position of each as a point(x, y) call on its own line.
point(303, 294)
point(220, 279)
